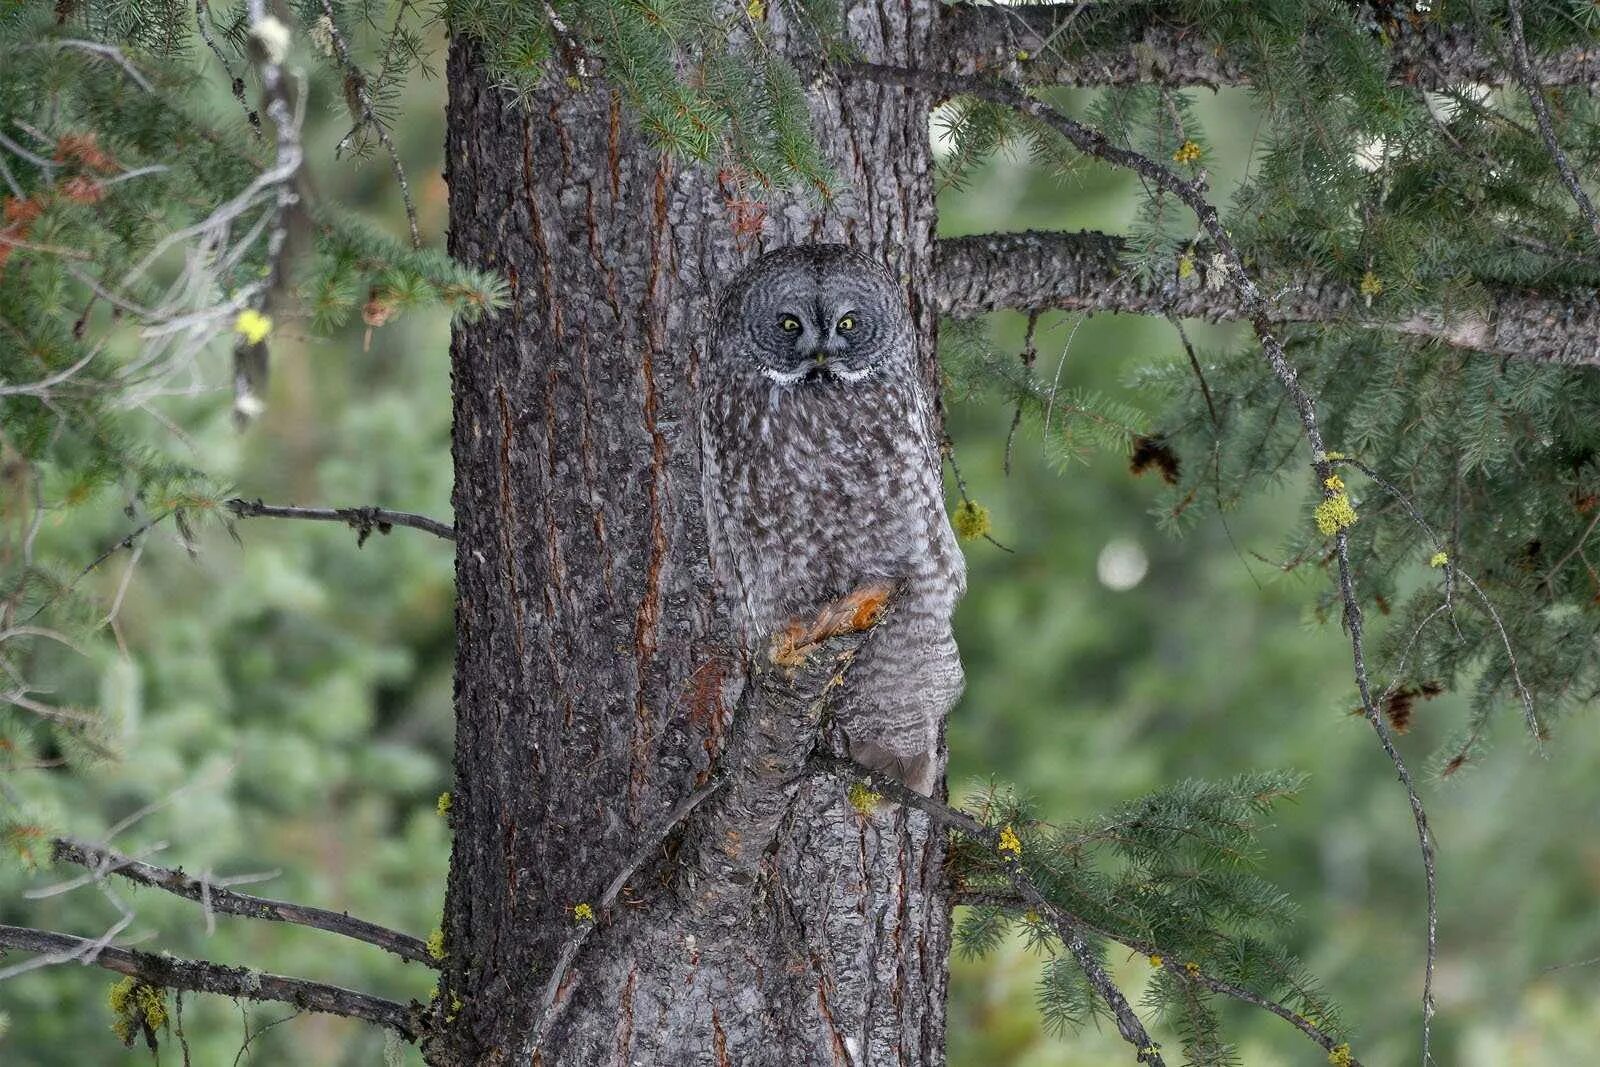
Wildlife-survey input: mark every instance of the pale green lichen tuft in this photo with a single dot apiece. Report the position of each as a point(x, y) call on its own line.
point(443, 804)
point(436, 944)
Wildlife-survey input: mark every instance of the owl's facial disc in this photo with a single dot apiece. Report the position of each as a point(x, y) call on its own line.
point(823, 338)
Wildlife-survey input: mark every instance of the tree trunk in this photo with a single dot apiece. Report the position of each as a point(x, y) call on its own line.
point(784, 927)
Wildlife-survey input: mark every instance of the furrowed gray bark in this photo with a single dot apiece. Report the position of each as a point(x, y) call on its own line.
point(1040, 270)
point(590, 658)
point(1012, 40)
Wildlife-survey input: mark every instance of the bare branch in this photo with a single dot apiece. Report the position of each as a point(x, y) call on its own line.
point(1066, 926)
point(201, 976)
point(773, 730)
point(363, 520)
point(1541, 111)
point(1019, 40)
point(356, 81)
point(103, 861)
point(1083, 271)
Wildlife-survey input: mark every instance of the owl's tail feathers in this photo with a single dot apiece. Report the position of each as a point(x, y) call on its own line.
point(850, 614)
point(919, 771)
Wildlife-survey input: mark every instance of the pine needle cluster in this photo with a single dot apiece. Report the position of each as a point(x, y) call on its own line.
point(1169, 876)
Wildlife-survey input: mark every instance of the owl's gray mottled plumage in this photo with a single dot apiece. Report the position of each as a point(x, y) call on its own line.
point(821, 475)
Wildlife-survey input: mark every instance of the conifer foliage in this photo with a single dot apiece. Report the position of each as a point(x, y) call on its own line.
point(159, 219)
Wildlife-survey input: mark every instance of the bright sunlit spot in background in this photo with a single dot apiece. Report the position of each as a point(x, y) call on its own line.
point(1122, 564)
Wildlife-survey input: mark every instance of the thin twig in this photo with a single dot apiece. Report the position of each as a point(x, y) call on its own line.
point(1452, 570)
point(238, 1057)
point(1029, 356)
point(1541, 111)
point(202, 976)
point(103, 861)
point(354, 79)
point(364, 520)
point(1577, 546)
point(202, 18)
point(949, 451)
point(1199, 374)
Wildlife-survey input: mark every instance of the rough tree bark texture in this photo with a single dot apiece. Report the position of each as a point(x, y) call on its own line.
point(786, 928)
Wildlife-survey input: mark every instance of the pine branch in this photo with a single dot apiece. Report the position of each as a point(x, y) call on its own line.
point(1016, 902)
point(991, 37)
point(1083, 271)
point(1529, 77)
point(363, 520)
point(1067, 927)
point(1258, 309)
point(103, 861)
point(202, 976)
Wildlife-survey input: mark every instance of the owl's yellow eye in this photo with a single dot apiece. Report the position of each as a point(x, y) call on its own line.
point(847, 324)
point(789, 323)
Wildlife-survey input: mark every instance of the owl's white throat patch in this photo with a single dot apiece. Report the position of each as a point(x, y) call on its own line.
point(783, 377)
point(790, 377)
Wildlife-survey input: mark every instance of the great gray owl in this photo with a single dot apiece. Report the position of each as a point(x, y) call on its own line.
point(821, 475)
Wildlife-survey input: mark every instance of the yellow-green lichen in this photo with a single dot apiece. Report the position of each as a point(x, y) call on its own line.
point(137, 1006)
point(1010, 844)
point(436, 944)
point(583, 912)
point(1335, 513)
point(1340, 1056)
point(1187, 154)
point(971, 520)
point(442, 806)
point(1438, 559)
point(862, 798)
point(252, 325)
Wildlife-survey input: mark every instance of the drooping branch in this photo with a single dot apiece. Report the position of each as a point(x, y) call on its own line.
point(1066, 926)
point(1030, 42)
point(1529, 78)
point(363, 520)
point(102, 862)
point(1016, 902)
point(201, 976)
point(1038, 270)
point(1258, 309)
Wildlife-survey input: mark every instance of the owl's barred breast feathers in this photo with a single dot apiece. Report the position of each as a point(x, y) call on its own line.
point(821, 475)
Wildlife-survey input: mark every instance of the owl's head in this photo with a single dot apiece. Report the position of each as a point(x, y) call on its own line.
point(812, 314)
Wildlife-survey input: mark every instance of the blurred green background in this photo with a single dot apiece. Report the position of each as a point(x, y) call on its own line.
point(296, 693)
